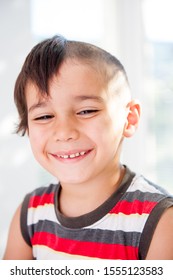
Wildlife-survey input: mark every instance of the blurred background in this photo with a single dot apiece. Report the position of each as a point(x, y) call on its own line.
point(138, 32)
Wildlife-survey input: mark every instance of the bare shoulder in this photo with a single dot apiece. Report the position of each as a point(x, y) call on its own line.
point(161, 247)
point(17, 248)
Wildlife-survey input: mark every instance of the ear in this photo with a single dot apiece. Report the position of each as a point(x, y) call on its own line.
point(134, 110)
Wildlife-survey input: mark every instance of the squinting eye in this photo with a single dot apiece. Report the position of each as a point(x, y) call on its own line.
point(44, 118)
point(85, 112)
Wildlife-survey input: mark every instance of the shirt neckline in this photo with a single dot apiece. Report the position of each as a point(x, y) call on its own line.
point(95, 215)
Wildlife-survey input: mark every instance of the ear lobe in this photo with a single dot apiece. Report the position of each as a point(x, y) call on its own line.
point(133, 117)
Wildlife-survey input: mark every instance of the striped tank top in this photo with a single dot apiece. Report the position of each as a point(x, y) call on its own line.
point(121, 228)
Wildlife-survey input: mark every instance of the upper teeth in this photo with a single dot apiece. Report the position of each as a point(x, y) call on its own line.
point(72, 155)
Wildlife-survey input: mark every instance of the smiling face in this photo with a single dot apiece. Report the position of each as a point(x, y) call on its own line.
point(76, 132)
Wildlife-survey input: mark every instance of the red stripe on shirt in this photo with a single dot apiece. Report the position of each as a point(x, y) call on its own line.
point(41, 200)
point(133, 207)
point(83, 248)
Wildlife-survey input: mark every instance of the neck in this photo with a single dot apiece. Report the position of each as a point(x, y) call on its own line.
point(76, 200)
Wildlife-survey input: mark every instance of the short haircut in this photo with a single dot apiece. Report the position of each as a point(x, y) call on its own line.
point(44, 61)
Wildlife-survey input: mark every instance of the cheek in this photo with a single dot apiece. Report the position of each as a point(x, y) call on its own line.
point(118, 123)
point(111, 136)
point(113, 126)
point(37, 140)
point(103, 133)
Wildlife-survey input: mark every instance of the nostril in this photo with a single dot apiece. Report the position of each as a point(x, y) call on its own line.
point(66, 134)
point(65, 129)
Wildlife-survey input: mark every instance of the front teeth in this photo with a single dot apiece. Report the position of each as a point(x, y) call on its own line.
point(72, 155)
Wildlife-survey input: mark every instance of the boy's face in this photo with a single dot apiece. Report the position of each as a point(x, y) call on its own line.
point(76, 132)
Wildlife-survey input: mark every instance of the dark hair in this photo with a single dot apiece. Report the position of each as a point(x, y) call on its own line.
point(45, 59)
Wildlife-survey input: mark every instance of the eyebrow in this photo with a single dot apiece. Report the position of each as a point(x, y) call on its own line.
point(90, 97)
point(40, 104)
point(43, 104)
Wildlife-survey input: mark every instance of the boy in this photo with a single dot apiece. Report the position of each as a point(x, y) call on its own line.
point(74, 103)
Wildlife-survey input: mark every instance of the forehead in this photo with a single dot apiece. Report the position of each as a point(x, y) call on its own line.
point(74, 80)
point(78, 78)
point(77, 70)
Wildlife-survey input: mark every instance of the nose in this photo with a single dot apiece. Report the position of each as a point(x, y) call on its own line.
point(66, 130)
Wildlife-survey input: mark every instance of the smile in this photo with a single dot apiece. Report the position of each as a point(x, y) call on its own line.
point(72, 155)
